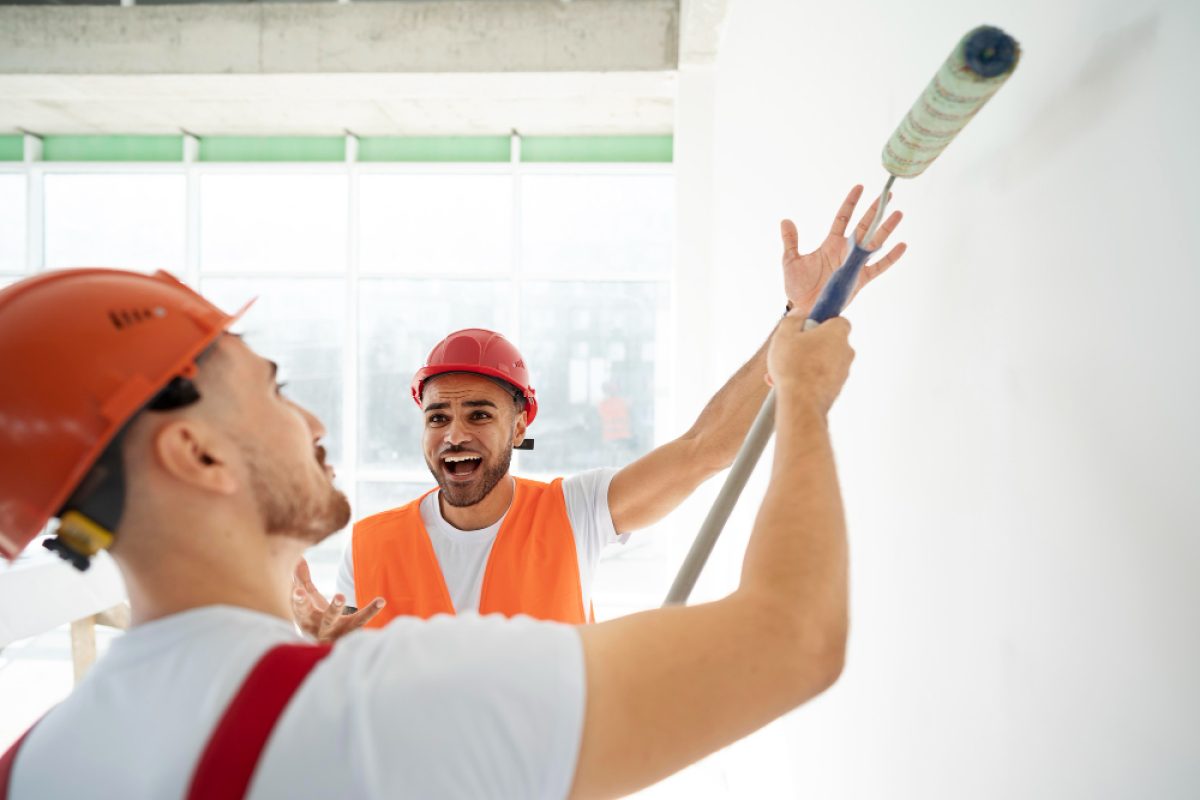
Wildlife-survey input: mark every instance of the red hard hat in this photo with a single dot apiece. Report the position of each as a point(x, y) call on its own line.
point(81, 352)
point(482, 352)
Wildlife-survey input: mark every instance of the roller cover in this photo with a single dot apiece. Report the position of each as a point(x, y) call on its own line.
point(975, 70)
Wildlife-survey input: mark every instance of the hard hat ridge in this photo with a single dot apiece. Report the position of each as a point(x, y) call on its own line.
point(481, 352)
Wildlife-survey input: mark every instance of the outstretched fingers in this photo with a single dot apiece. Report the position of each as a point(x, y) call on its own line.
point(884, 231)
point(329, 619)
point(864, 224)
point(842, 220)
point(350, 622)
point(873, 271)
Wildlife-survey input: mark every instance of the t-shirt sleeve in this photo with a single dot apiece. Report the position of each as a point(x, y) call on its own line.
point(587, 507)
point(345, 574)
point(466, 706)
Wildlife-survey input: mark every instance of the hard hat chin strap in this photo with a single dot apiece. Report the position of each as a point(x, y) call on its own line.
point(88, 519)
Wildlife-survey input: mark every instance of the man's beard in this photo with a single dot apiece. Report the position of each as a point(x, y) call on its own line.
point(288, 507)
point(460, 496)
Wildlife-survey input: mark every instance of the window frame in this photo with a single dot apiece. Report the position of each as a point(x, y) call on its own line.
point(350, 473)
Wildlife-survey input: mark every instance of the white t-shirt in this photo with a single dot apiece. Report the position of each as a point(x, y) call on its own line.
point(450, 707)
point(463, 555)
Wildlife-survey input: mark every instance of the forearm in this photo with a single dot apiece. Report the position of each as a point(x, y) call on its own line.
point(651, 487)
point(796, 558)
point(721, 428)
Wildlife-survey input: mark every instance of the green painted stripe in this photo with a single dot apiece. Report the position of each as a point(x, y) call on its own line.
point(12, 148)
point(598, 149)
point(112, 148)
point(272, 148)
point(434, 148)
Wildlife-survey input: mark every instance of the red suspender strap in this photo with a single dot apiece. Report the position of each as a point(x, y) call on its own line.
point(6, 764)
point(232, 754)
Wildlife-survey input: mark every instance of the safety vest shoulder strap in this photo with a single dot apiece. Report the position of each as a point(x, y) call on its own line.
point(8, 759)
point(227, 765)
point(233, 751)
point(534, 565)
point(394, 558)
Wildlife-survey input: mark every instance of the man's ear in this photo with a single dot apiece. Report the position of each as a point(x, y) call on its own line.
point(191, 452)
point(519, 426)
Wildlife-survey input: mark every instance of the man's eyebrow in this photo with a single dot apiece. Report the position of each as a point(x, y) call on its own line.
point(274, 370)
point(469, 403)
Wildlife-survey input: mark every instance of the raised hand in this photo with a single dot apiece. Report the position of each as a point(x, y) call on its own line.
point(323, 619)
point(804, 276)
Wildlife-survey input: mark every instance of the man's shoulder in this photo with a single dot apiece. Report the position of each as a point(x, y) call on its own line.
point(388, 520)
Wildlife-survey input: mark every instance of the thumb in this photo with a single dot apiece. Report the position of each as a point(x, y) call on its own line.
point(791, 239)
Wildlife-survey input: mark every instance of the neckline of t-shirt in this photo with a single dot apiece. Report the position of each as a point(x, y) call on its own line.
point(445, 528)
point(166, 632)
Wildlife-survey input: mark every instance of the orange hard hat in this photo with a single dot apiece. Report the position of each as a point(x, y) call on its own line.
point(81, 352)
point(482, 352)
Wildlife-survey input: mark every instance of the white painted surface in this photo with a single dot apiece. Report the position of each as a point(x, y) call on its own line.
point(41, 592)
point(1018, 442)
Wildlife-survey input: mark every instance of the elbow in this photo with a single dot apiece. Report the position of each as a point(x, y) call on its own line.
point(821, 657)
point(816, 653)
point(806, 647)
point(704, 456)
point(832, 662)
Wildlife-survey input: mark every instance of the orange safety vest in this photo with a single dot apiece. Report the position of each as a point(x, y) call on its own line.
point(532, 569)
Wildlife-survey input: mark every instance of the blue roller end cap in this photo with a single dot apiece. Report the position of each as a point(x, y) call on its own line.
point(990, 51)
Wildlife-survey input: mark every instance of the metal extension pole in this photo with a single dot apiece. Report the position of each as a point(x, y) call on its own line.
point(739, 473)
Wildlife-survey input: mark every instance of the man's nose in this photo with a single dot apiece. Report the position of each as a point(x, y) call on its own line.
point(314, 424)
point(457, 433)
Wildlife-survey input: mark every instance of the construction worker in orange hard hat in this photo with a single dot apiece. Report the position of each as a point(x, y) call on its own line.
point(128, 413)
point(488, 541)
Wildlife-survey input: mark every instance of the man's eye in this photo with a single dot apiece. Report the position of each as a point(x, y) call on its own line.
point(436, 419)
point(279, 385)
point(478, 415)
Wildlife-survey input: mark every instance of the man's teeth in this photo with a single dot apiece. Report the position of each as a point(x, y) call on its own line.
point(456, 459)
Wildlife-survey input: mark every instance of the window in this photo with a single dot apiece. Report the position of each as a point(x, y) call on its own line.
point(130, 220)
point(13, 258)
point(360, 269)
point(278, 223)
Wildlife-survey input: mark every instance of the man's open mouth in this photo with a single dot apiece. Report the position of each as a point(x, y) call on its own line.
point(462, 465)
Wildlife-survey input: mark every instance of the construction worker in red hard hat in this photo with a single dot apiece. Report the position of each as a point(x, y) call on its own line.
point(129, 415)
point(490, 542)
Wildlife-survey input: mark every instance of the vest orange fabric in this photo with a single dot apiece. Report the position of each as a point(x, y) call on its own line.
point(532, 569)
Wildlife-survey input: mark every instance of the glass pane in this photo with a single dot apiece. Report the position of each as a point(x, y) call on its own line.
point(12, 223)
point(441, 224)
point(399, 323)
point(591, 347)
point(299, 323)
point(376, 496)
point(116, 220)
point(273, 223)
point(590, 225)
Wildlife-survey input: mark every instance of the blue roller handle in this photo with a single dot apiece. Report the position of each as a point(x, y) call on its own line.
point(833, 299)
point(837, 292)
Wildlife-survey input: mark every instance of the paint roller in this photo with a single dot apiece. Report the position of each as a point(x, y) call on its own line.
point(979, 65)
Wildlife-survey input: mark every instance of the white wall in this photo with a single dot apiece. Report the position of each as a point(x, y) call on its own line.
point(1018, 443)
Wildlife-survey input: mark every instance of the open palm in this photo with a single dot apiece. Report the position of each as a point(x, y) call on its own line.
point(804, 276)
